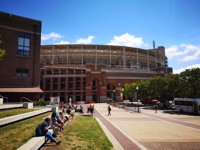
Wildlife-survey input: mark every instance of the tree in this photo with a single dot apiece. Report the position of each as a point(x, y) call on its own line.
point(191, 83)
point(143, 91)
point(186, 84)
point(2, 51)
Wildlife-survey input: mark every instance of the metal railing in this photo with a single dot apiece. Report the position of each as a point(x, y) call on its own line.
point(25, 98)
point(130, 106)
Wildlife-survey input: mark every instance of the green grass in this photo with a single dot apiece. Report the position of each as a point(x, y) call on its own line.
point(12, 112)
point(15, 135)
point(84, 133)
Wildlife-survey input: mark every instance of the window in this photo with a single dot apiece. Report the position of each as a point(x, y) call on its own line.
point(23, 44)
point(55, 84)
point(22, 72)
point(62, 84)
point(70, 83)
point(47, 84)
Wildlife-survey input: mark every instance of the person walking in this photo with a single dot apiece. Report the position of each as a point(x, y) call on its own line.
point(155, 107)
point(109, 110)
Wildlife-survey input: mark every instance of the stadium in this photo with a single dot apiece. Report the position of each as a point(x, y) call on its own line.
point(84, 73)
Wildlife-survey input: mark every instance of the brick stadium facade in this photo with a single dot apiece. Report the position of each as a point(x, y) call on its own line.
point(20, 67)
point(95, 72)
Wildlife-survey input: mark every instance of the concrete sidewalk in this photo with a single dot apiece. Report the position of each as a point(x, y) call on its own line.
point(150, 130)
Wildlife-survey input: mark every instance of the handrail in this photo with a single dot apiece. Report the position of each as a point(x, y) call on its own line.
point(4, 98)
point(26, 99)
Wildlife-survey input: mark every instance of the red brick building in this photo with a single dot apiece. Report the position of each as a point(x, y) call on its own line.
point(95, 72)
point(20, 67)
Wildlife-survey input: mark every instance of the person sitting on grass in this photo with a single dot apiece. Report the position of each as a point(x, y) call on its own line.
point(54, 124)
point(68, 111)
point(72, 113)
point(60, 121)
point(91, 109)
point(64, 119)
point(81, 109)
point(42, 130)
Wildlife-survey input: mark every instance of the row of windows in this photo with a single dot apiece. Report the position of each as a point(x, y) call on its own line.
point(22, 72)
point(62, 85)
point(63, 97)
point(184, 103)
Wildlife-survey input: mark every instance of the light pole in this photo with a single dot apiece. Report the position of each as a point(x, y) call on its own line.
point(114, 96)
point(138, 106)
point(137, 88)
point(122, 96)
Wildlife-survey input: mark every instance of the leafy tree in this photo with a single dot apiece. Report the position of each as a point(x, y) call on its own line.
point(191, 82)
point(143, 91)
point(186, 84)
point(2, 51)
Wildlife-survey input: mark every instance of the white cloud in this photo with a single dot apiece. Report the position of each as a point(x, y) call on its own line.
point(191, 48)
point(172, 51)
point(127, 40)
point(177, 71)
point(54, 36)
point(63, 42)
point(185, 52)
point(87, 40)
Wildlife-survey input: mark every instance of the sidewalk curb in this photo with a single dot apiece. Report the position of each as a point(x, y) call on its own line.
point(113, 140)
point(133, 140)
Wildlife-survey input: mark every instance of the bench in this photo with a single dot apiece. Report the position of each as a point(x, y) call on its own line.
point(35, 143)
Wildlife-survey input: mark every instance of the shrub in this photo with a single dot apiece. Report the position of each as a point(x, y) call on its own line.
point(40, 102)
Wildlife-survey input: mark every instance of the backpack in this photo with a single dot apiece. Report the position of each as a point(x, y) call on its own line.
point(38, 131)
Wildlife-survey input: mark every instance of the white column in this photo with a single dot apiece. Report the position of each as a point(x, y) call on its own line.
point(124, 57)
point(67, 53)
point(110, 56)
point(82, 55)
point(148, 58)
point(137, 57)
point(53, 55)
point(96, 59)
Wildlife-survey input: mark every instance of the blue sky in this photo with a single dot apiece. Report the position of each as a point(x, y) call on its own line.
point(174, 24)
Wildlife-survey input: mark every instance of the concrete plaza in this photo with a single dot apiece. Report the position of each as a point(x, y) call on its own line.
point(149, 130)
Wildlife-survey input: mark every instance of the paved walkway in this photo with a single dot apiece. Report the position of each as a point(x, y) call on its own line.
point(150, 130)
point(164, 130)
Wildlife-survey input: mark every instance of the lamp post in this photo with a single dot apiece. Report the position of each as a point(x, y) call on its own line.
point(122, 96)
point(114, 96)
point(138, 106)
point(137, 88)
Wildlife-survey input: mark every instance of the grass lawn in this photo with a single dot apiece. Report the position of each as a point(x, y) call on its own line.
point(82, 133)
point(15, 135)
point(12, 112)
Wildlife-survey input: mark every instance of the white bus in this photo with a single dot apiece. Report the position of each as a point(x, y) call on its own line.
point(189, 105)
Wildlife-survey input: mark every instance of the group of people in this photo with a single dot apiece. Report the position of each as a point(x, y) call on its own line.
point(55, 122)
point(90, 109)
